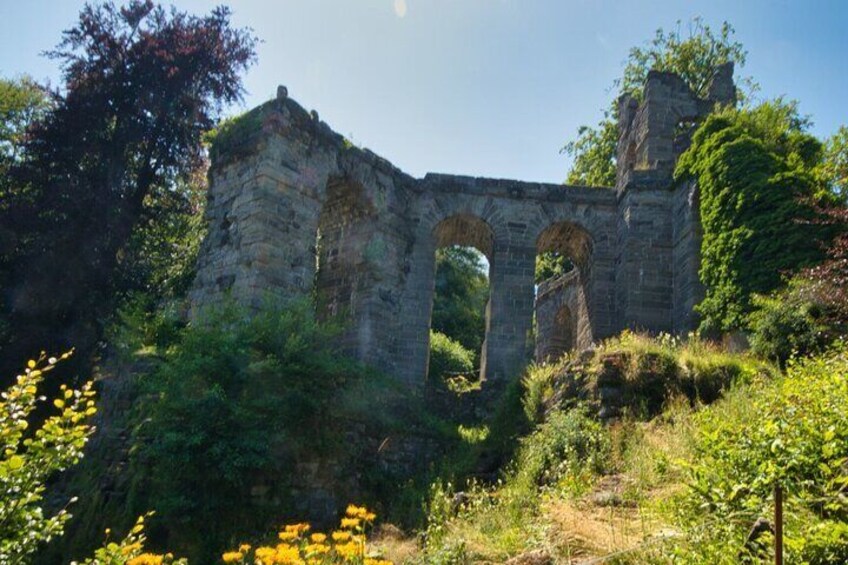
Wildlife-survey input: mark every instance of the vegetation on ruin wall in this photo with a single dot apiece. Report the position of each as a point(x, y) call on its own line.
point(685, 487)
point(756, 172)
point(231, 137)
point(230, 403)
point(694, 51)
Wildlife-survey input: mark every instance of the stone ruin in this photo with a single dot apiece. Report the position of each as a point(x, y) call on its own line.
point(295, 210)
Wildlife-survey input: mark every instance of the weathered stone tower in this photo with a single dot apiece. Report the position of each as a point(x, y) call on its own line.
point(294, 209)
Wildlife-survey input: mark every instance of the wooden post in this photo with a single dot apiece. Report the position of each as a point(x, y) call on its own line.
point(778, 525)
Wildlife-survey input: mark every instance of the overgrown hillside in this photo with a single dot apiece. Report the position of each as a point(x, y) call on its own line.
point(671, 479)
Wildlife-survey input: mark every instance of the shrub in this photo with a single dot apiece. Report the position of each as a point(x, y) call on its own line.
point(448, 357)
point(797, 320)
point(236, 402)
point(31, 458)
point(792, 432)
point(569, 444)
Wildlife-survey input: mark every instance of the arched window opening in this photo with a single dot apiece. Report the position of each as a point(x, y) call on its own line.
point(459, 319)
point(563, 278)
point(341, 272)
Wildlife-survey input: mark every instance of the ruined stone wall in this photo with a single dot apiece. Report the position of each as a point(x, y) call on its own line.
point(562, 323)
point(295, 210)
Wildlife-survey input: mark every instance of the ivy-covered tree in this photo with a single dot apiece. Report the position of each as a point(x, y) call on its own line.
point(141, 85)
point(758, 191)
point(694, 53)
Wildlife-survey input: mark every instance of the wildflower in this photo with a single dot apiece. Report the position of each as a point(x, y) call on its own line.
point(232, 557)
point(265, 555)
point(317, 549)
point(244, 548)
point(350, 522)
point(318, 537)
point(341, 536)
point(146, 559)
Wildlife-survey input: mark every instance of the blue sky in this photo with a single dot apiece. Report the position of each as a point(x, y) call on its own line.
point(481, 87)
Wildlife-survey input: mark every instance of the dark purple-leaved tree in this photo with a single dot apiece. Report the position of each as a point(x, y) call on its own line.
point(141, 85)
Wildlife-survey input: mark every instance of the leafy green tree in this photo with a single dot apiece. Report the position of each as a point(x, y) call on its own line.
point(141, 85)
point(756, 173)
point(30, 458)
point(694, 54)
point(462, 292)
point(834, 167)
point(594, 153)
point(22, 103)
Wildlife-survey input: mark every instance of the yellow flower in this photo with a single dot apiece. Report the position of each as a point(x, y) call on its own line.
point(341, 536)
point(318, 538)
point(146, 559)
point(317, 549)
point(232, 557)
point(288, 536)
point(372, 561)
point(349, 550)
point(265, 555)
point(350, 522)
point(244, 548)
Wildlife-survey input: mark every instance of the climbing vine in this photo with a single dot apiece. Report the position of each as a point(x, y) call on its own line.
point(755, 171)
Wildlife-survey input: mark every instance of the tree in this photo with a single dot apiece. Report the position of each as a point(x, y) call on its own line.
point(141, 84)
point(462, 291)
point(22, 103)
point(694, 55)
point(755, 169)
point(835, 165)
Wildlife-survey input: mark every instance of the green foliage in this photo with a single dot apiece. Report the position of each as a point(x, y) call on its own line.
point(130, 550)
point(30, 458)
point(568, 446)
point(231, 133)
point(106, 160)
point(594, 153)
point(834, 168)
point(704, 472)
point(448, 358)
point(694, 54)
point(161, 254)
point(792, 321)
point(754, 169)
point(22, 103)
point(551, 264)
point(792, 433)
point(239, 399)
point(462, 291)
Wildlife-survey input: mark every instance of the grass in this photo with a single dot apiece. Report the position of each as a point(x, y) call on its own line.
point(635, 493)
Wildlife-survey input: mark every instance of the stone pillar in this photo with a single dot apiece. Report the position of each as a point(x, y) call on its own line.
point(644, 270)
point(509, 341)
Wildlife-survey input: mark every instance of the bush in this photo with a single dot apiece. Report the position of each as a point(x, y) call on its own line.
point(792, 432)
point(31, 458)
point(568, 445)
point(798, 320)
point(448, 358)
point(238, 400)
